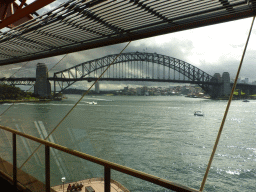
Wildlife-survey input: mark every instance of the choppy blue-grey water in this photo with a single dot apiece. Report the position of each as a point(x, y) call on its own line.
point(157, 135)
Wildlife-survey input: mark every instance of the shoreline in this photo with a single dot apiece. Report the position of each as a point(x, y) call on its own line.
point(25, 101)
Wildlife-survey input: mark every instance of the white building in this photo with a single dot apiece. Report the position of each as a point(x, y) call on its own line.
point(97, 87)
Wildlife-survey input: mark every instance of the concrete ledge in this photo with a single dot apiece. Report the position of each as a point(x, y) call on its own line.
point(25, 183)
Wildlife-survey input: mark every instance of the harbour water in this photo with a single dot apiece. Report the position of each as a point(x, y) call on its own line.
point(157, 135)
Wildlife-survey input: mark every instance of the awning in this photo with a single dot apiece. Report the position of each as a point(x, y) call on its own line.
point(81, 24)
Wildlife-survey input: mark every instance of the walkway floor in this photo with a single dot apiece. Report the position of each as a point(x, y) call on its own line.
point(6, 185)
point(96, 183)
point(28, 181)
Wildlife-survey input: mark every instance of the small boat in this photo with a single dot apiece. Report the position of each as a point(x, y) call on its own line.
point(246, 100)
point(198, 113)
point(93, 103)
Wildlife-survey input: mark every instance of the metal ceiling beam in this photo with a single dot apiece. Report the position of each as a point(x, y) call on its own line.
point(227, 5)
point(121, 39)
point(31, 8)
point(80, 25)
point(150, 10)
point(98, 19)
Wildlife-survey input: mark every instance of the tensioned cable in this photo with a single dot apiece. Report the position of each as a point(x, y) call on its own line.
point(51, 68)
point(13, 76)
point(226, 112)
point(75, 105)
point(32, 85)
point(19, 69)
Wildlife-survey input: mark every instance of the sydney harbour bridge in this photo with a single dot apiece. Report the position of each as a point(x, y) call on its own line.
point(132, 66)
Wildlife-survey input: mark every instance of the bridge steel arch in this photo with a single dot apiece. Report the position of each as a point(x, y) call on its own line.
point(127, 62)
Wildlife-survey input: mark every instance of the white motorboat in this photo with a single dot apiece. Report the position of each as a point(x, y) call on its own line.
point(92, 103)
point(198, 113)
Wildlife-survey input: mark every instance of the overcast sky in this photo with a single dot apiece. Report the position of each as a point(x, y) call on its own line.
point(214, 49)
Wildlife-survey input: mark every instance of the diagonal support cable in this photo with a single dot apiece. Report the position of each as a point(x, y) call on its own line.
point(226, 111)
point(75, 105)
point(13, 76)
point(51, 68)
point(32, 85)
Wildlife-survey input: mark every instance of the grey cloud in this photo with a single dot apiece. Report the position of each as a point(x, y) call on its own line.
point(177, 49)
point(51, 6)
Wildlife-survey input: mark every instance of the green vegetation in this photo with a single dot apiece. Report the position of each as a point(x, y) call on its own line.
point(8, 92)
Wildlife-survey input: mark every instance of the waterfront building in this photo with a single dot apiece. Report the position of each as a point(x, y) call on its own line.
point(138, 91)
point(144, 90)
point(185, 90)
point(126, 89)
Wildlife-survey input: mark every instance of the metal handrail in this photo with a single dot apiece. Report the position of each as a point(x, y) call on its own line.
point(107, 165)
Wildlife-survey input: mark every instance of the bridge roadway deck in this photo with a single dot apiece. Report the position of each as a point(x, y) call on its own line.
point(89, 79)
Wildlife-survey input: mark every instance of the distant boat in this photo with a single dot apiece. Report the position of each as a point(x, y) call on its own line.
point(93, 103)
point(198, 113)
point(246, 100)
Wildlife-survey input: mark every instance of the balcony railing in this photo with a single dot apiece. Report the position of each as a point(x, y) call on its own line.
point(108, 166)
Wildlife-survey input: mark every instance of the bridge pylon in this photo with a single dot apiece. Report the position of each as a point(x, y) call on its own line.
point(224, 86)
point(42, 86)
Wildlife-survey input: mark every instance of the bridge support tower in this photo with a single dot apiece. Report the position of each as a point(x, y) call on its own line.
point(97, 87)
point(224, 88)
point(42, 86)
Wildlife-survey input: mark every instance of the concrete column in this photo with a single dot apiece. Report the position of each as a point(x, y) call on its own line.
point(216, 89)
point(42, 86)
point(226, 89)
point(97, 87)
